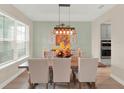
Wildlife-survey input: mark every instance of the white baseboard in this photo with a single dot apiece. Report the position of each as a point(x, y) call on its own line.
point(117, 79)
point(10, 79)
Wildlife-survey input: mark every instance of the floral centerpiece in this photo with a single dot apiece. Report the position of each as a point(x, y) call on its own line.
point(63, 51)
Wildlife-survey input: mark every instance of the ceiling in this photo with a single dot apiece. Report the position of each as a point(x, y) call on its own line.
point(50, 12)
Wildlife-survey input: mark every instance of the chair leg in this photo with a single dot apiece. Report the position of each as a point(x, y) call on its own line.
point(32, 86)
point(46, 85)
point(93, 85)
point(74, 77)
point(89, 85)
point(51, 75)
point(29, 81)
point(69, 85)
point(54, 85)
point(80, 85)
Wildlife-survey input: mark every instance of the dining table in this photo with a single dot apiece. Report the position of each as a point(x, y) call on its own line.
point(74, 66)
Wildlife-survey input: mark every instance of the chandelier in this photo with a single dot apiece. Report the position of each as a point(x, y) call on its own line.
point(61, 28)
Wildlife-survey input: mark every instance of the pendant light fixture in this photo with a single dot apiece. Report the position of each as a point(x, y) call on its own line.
point(61, 28)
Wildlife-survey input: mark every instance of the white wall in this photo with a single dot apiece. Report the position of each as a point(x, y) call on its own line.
point(116, 17)
point(8, 72)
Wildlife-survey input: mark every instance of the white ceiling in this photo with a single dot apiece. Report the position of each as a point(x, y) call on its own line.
point(50, 12)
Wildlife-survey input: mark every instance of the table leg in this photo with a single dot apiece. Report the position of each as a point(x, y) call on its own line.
point(51, 75)
point(29, 79)
point(74, 76)
point(93, 85)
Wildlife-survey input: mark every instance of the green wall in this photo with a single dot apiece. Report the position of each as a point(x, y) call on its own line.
point(42, 36)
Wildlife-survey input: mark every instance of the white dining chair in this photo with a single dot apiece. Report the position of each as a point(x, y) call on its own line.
point(39, 71)
point(61, 70)
point(87, 69)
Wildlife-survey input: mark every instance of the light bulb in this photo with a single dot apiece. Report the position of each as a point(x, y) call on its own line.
point(71, 32)
point(67, 32)
point(57, 32)
point(64, 32)
point(60, 32)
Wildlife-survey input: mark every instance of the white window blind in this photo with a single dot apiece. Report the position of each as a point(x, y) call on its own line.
point(13, 39)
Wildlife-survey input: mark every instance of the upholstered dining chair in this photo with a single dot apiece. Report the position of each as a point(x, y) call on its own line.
point(87, 69)
point(61, 70)
point(39, 71)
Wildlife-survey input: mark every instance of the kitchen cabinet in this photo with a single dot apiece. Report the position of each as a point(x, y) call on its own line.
point(105, 32)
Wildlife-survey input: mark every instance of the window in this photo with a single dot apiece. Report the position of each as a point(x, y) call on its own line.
point(1, 26)
point(21, 40)
point(13, 39)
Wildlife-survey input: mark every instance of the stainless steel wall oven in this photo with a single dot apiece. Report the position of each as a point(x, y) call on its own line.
point(105, 49)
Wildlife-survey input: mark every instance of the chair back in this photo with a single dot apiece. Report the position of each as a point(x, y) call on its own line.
point(39, 70)
point(49, 54)
point(87, 69)
point(74, 53)
point(61, 69)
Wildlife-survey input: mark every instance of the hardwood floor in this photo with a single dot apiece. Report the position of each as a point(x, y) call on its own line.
point(103, 81)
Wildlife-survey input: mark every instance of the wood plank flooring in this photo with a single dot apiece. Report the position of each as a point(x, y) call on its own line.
point(103, 81)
